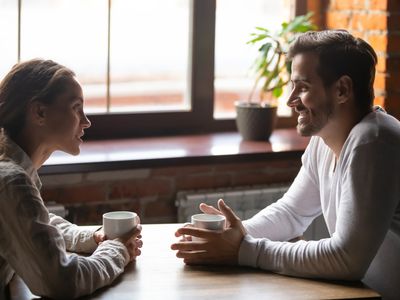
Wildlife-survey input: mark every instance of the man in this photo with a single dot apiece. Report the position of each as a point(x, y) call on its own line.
point(350, 173)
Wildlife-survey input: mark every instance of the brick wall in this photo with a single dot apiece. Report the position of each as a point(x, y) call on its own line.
point(378, 22)
point(152, 192)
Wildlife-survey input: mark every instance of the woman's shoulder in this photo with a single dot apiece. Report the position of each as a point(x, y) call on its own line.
point(11, 172)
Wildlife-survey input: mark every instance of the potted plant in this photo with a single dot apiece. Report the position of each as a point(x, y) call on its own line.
point(256, 118)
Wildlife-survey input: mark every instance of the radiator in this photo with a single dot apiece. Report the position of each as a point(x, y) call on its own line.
point(245, 202)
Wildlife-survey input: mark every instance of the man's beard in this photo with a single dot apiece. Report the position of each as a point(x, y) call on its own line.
point(316, 124)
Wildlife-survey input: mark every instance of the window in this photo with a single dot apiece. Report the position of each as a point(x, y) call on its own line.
point(235, 20)
point(9, 37)
point(148, 55)
point(76, 38)
point(146, 67)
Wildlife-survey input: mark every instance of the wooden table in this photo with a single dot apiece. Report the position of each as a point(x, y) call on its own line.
point(158, 274)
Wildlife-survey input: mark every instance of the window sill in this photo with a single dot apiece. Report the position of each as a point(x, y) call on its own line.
point(152, 152)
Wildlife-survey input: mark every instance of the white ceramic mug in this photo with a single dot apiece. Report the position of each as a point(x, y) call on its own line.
point(206, 221)
point(118, 223)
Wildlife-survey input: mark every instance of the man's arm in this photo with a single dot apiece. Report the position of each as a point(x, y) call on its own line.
point(368, 200)
point(290, 216)
point(367, 204)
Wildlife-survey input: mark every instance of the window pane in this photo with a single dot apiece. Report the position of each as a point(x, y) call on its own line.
point(235, 20)
point(73, 33)
point(8, 35)
point(149, 55)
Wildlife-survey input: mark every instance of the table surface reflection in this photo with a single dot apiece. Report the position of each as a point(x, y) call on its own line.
point(158, 274)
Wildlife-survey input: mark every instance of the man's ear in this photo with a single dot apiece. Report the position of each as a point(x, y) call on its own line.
point(344, 89)
point(37, 112)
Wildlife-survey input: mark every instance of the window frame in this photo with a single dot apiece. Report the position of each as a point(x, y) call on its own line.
point(200, 87)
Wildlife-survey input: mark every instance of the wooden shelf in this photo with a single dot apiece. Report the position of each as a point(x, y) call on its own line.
point(174, 151)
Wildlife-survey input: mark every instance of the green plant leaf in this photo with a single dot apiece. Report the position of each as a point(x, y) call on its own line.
point(288, 65)
point(264, 49)
point(262, 29)
point(277, 92)
point(257, 38)
point(271, 68)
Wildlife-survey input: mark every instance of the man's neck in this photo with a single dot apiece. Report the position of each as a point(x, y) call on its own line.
point(338, 129)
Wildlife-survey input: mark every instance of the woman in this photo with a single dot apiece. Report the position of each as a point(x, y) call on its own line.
point(41, 111)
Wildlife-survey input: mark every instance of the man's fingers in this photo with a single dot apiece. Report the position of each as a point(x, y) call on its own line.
point(188, 246)
point(228, 212)
point(208, 209)
point(201, 233)
point(191, 254)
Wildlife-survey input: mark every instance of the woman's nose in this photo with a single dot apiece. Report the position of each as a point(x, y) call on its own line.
point(85, 121)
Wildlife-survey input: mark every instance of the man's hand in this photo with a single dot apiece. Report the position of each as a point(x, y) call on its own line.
point(217, 247)
point(211, 210)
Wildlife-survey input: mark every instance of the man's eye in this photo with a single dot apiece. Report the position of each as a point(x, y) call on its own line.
point(303, 89)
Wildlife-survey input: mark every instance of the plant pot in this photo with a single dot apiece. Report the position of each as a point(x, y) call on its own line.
point(254, 121)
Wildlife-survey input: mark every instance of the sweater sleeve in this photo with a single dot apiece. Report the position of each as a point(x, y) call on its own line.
point(35, 249)
point(368, 200)
point(76, 239)
point(291, 215)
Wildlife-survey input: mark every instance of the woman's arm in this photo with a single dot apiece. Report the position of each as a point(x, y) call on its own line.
point(76, 239)
point(36, 250)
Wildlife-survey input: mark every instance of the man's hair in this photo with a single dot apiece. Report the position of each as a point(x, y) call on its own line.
point(340, 54)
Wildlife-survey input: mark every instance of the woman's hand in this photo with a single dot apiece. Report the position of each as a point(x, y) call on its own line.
point(133, 242)
point(99, 236)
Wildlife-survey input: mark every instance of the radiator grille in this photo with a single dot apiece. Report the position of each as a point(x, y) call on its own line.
point(245, 202)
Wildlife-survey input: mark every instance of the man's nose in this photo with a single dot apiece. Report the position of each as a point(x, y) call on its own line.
point(293, 100)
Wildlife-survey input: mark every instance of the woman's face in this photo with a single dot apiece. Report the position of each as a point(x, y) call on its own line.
point(66, 121)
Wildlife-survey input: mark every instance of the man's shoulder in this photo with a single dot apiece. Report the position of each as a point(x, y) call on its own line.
point(376, 127)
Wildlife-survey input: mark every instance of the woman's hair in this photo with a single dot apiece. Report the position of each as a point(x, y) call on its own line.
point(33, 80)
point(340, 54)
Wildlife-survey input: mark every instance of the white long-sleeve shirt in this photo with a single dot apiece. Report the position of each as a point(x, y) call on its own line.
point(33, 243)
point(359, 197)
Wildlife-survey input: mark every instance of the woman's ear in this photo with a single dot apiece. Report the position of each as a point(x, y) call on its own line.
point(344, 89)
point(37, 112)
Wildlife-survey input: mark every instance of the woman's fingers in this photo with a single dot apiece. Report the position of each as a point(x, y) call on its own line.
point(131, 235)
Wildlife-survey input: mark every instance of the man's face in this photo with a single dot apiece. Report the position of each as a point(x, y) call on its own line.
point(309, 97)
